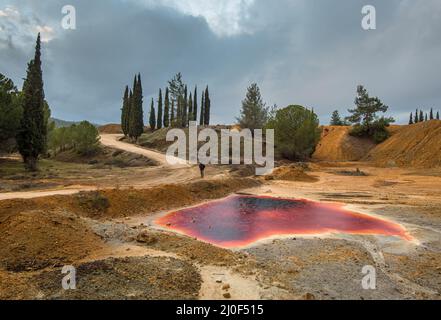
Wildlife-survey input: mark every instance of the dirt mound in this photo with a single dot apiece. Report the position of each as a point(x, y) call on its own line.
point(417, 145)
point(243, 171)
point(293, 172)
point(111, 129)
point(149, 278)
point(38, 239)
point(337, 145)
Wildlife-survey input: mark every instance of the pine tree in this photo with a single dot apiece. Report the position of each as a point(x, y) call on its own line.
point(10, 113)
point(176, 87)
point(366, 109)
point(431, 114)
point(166, 109)
point(254, 113)
point(124, 111)
point(190, 108)
point(411, 118)
point(336, 119)
point(195, 104)
point(32, 138)
point(152, 116)
point(421, 117)
point(160, 119)
point(416, 116)
point(202, 116)
point(207, 108)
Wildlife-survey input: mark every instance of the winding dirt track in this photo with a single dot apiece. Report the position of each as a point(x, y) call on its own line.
point(112, 141)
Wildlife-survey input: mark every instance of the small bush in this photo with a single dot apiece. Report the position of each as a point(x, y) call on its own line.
point(380, 136)
point(117, 153)
point(93, 201)
point(377, 130)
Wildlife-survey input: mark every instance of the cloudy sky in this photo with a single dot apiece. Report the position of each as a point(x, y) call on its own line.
point(305, 52)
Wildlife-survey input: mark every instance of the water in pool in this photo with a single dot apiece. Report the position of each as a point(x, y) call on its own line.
point(240, 220)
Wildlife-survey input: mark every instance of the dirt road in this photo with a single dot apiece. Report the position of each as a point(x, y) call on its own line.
point(112, 141)
point(182, 171)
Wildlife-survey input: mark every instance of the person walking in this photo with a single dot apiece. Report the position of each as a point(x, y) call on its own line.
point(202, 170)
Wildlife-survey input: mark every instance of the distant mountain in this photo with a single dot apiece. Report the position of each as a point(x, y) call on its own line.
point(63, 123)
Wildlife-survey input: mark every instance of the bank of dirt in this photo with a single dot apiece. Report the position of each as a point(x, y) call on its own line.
point(336, 144)
point(111, 128)
point(294, 172)
point(148, 278)
point(36, 239)
point(416, 145)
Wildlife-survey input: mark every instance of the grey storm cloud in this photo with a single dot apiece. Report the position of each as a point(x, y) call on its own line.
point(312, 53)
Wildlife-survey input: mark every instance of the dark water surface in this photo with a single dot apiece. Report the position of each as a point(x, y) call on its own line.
point(239, 220)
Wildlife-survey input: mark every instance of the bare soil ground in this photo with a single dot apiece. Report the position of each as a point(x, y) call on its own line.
point(108, 235)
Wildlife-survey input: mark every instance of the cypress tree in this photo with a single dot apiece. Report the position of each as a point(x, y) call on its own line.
point(172, 119)
point(416, 116)
point(136, 113)
point(140, 109)
point(167, 109)
point(421, 117)
point(437, 115)
point(130, 120)
point(190, 108)
point(179, 112)
point(425, 117)
point(184, 104)
point(32, 136)
point(411, 118)
point(152, 116)
point(195, 104)
point(207, 108)
point(124, 111)
point(159, 120)
point(129, 110)
point(431, 114)
point(202, 117)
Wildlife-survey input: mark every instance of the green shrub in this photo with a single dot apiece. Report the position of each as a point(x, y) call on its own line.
point(82, 137)
point(93, 201)
point(296, 132)
point(377, 130)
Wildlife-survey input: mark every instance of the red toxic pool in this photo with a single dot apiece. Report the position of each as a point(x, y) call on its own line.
point(238, 221)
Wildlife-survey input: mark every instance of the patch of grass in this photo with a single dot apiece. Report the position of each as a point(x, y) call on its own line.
point(93, 201)
point(355, 173)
